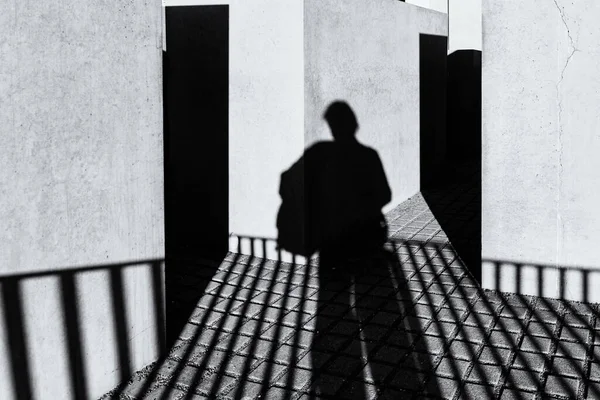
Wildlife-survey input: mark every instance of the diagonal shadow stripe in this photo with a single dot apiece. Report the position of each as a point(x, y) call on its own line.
point(298, 323)
point(213, 392)
point(72, 324)
point(473, 354)
point(201, 369)
point(400, 278)
point(17, 338)
point(273, 345)
point(120, 323)
point(159, 306)
point(505, 376)
point(479, 322)
point(190, 344)
point(238, 391)
point(517, 354)
point(556, 344)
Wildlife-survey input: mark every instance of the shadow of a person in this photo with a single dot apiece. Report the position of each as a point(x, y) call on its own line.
point(333, 195)
point(332, 201)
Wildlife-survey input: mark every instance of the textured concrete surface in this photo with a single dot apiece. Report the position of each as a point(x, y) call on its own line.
point(80, 174)
point(412, 325)
point(464, 25)
point(464, 21)
point(436, 5)
point(367, 54)
point(540, 142)
point(288, 61)
point(266, 109)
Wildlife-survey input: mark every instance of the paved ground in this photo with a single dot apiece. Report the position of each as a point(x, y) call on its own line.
point(411, 323)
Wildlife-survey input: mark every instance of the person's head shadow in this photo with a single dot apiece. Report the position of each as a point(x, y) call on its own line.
point(342, 122)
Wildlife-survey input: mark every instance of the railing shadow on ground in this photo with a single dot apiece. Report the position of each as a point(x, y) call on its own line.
point(543, 280)
point(276, 328)
point(557, 334)
point(15, 322)
point(261, 319)
point(564, 331)
point(408, 328)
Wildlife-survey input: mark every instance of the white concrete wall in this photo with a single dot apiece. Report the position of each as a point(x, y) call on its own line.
point(541, 139)
point(276, 50)
point(266, 108)
point(436, 5)
point(367, 54)
point(81, 176)
point(464, 26)
point(464, 21)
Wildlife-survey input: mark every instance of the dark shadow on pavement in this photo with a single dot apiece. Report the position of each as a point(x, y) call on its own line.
point(408, 323)
point(455, 201)
point(452, 188)
point(331, 204)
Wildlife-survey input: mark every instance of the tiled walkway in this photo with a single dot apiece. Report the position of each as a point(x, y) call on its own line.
point(410, 324)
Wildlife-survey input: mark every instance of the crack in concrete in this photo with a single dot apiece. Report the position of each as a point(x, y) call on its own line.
point(559, 222)
point(573, 51)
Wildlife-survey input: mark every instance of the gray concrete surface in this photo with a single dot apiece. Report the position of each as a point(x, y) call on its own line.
point(464, 25)
point(266, 111)
point(540, 143)
point(464, 21)
point(367, 54)
point(364, 53)
point(80, 177)
point(436, 5)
